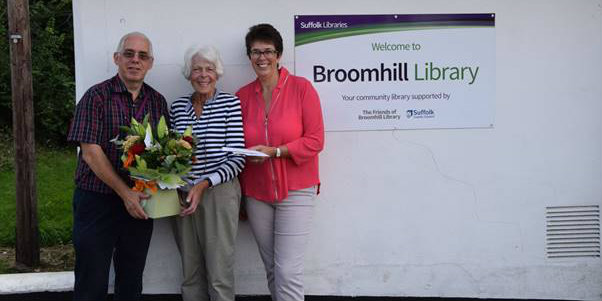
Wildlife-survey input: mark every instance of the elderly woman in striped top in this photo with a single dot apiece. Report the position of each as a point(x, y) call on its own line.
point(206, 229)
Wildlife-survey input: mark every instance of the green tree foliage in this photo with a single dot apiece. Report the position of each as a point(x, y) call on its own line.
point(51, 25)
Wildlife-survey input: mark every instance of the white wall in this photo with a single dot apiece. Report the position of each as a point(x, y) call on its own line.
point(452, 213)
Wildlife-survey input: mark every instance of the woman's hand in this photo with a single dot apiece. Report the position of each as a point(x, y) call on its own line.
point(268, 150)
point(195, 195)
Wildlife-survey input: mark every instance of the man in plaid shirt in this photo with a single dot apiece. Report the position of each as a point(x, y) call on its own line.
point(108, 221)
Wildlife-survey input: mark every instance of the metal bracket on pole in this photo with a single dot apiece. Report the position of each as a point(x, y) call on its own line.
point(16, 38)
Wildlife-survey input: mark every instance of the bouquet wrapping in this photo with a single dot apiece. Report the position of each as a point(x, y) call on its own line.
point(157, 159)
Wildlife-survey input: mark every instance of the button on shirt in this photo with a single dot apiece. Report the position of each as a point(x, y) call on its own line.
point(99, 114)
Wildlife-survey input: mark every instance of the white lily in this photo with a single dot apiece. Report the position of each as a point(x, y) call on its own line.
point(148, 139)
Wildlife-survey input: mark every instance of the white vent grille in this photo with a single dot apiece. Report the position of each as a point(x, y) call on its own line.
point(573, 231)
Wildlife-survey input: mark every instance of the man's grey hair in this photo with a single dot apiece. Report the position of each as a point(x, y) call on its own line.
point(209, 53)
point(120, 46)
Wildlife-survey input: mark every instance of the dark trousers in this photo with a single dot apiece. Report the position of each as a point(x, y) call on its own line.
point(102, 229)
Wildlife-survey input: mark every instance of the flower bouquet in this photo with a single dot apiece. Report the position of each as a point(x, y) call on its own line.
point(157, 160)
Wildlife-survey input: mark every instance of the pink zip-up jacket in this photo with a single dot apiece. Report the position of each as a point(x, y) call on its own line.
point(294, 120)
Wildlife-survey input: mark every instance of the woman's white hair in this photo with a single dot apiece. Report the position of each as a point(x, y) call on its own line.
point(131, 34)
point(209, 53)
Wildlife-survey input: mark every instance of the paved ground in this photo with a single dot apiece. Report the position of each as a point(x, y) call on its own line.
point(67, 296)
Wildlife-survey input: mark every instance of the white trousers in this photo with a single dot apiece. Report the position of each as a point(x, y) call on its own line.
point(282, 231)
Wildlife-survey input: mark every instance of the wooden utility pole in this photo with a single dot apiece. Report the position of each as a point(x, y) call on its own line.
point(27, 243)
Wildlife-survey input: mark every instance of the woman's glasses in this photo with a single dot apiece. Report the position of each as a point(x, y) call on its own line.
point(268, 53)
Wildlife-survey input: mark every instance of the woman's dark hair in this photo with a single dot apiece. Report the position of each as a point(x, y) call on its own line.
point(264, 33)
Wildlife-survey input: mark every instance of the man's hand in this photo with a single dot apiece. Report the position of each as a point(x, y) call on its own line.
point(131, 201)
point(100, 165)
point(195, 195)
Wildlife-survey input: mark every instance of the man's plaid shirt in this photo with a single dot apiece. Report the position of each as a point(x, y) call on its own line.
point(99, 114)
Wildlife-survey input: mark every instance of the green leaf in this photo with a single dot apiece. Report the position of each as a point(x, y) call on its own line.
point(170, 181)
point(171, 146)
point(188, 131)
point(137, 128)
point(145, 121)
point(125, 129)
point(169, 160)
point(134, 122)
point(140, 163)
point(162, 128)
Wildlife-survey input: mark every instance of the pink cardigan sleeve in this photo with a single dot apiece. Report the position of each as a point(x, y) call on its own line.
point(312, 141)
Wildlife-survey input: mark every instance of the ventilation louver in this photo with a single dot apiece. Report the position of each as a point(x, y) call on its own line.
point(573, 231)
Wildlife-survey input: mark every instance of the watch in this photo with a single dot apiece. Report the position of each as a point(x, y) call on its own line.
point(278, 152)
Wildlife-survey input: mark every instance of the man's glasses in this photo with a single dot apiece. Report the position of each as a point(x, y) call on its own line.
point(268, 54)
point(130, 54)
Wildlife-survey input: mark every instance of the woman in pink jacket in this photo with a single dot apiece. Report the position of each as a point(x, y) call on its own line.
point(282, 118)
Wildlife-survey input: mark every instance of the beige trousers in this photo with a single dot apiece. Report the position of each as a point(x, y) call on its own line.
point(206, 241)
point(282, 231)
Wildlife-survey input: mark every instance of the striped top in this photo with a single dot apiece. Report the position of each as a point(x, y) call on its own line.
point(220, 125)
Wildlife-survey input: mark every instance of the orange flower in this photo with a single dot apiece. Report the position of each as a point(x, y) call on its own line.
point(140, 185)
point(134, 150)
point(152, 185)
point(128, 162)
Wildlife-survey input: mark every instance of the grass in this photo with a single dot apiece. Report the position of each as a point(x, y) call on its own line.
point(54, 178)
point(4, 267)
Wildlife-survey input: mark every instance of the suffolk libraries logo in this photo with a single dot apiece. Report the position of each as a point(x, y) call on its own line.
point(419, 114)
point(315, 25)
